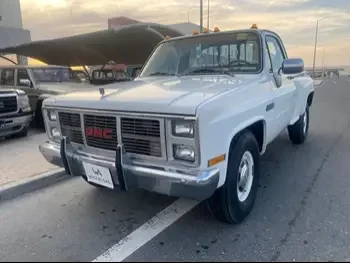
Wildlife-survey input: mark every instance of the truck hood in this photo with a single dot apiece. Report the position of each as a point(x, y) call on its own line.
point(172, 95)
point(62, 88)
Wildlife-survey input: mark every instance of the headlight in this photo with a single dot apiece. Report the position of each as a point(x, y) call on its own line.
point(184, 152)
point(51, 115)
point(183, 128)
point(55, 133)
point(23, 102)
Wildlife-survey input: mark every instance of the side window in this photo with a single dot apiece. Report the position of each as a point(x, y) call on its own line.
point(276, 53)
point(8, 77)
point(22, 77)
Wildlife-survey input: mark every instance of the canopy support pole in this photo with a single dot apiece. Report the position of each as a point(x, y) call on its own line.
point(87, 72)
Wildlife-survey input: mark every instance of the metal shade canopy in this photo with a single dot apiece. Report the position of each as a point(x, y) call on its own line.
point(131, 44)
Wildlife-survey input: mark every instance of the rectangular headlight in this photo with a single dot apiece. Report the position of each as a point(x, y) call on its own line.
point(23, 102)
point(51, 114)
point(183, 128)
point(55, 133)
point(184, 152)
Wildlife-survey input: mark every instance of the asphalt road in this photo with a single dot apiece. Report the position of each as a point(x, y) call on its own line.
point(301, 213)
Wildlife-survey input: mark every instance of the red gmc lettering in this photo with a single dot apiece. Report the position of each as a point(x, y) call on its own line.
point(99, 133)
point(89, 132)
point(107, 134)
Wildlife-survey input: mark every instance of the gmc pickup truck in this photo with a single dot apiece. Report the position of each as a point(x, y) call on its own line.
point(193, 124)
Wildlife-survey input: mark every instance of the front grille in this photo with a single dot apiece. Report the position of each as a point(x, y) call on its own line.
point(71, 126)
point(141, 136)
point(8, 104)
point(101, 131)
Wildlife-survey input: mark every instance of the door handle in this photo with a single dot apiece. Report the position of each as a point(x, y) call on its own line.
point(270, 106)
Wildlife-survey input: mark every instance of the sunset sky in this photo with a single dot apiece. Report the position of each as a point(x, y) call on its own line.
point(294, 20)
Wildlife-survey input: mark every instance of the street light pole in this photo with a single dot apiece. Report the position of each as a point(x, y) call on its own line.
point(208, 15)
point(323, 65)
point(313, 67)
point(201, 16)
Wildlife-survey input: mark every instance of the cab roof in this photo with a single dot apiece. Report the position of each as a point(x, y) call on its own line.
point(212, 34)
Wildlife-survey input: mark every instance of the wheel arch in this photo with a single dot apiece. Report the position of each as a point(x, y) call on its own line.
point(257, 126)
point(310, 98)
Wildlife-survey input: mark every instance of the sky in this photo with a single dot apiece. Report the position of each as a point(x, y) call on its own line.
point(294, 20)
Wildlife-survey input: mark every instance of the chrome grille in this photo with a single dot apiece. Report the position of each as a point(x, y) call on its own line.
point(71, 126)
point(141, 136)
point(101, 131)
point(8, 104)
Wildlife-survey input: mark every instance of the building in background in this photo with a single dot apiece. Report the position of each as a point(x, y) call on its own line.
point(11, 28)
point(186, 28)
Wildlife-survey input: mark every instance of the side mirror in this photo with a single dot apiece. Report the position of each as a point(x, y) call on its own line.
point(25, 82)
point(292, 66)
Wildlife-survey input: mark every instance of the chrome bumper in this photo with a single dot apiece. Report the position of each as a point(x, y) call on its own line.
point(12, 124)
point(127, 175)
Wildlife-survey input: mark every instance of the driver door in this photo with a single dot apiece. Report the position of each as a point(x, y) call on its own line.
point(29, 87)
point(284, 96)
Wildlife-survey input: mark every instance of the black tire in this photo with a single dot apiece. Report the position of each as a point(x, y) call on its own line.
point(298, 131)
point(225, 204)
point(39, 121)
point(22, 133)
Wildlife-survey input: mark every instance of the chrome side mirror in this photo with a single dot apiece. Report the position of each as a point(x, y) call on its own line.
point(292, 66)
point(25, 82)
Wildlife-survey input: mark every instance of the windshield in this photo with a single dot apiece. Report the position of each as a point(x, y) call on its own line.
point(53, 75)
point(213, 53)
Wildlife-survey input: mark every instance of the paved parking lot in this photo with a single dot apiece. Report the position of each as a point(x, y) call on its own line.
point(20, 157)
point(302, 210)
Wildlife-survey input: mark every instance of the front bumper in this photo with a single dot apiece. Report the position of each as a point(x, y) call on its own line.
point(125, 173)
point(14, 123)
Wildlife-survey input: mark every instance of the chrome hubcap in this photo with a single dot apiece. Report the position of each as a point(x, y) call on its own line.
point(245, 176)
point(305, 122)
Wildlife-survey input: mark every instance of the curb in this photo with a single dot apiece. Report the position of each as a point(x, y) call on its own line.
point(15, 189)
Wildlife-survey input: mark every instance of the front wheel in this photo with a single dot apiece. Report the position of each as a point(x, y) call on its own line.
point(39, 120)
point(298, 131)
point(233, 202)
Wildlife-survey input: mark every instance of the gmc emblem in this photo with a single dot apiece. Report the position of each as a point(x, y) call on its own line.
point(99, 133)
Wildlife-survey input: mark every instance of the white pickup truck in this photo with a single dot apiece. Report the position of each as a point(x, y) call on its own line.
point(192, 125)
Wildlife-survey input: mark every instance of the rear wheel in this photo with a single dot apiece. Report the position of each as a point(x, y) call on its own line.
point(298, 131)
point(233, 202)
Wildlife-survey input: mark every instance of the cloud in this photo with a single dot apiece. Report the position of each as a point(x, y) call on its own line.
point(294, 20)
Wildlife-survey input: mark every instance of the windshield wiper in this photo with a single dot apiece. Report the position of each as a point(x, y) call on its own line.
point(161, 74)
point(209, 70)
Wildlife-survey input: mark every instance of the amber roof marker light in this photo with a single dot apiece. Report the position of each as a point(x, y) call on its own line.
point(254, 26)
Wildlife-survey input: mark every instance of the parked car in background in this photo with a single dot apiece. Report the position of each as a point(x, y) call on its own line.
point(15, 113)
point(108, 75)
point(40, 82)
point(112, 73)
point(82, 75)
